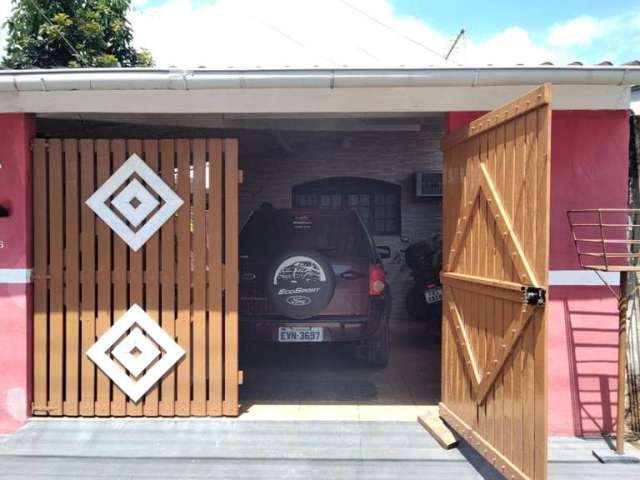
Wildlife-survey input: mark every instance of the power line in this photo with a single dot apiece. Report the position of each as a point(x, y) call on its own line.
point(46, 19)
point(293, 40)
point(388, 27)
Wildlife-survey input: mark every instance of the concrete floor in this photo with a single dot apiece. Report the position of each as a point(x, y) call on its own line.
point(137, 448)
point(327, 382)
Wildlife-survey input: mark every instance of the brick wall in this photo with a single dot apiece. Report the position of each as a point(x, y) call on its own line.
point(389, 156)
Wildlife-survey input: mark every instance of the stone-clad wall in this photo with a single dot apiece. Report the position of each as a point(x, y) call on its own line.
point(389, 156)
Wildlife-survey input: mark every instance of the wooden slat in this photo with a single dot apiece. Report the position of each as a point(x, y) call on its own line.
point(56, 267)
point(168, 290)
point(214, 237)
point(136, 295)
point(518, 216)
point(40, 270)
point(511, 111)
point(183, 278)
point(103, 321)
point(508, 287)
point(530, 171)
point(199, 317)
point(500, 174)
point(461, 335)
point(541, 404)
point(518, 254)
point(152, 271)
point(87, 246)
point(72, 284)
point(120, 282)
point(230, 404)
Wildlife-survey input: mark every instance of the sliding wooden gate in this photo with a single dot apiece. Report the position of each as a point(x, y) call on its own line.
point(86, 277)
point(496, 251)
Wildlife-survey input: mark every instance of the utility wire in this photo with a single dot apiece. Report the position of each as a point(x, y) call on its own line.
point(388, 27)
point(46, 19)
point(293, 40)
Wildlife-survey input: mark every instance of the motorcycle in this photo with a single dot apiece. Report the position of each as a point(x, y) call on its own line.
point(424, 299)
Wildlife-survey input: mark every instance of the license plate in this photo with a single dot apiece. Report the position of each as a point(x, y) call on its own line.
point(300, 334)
point(433, 295)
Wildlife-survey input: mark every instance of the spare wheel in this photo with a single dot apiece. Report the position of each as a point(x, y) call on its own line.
point(300, 283)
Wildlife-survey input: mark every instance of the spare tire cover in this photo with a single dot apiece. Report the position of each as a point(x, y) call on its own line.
point(300, 284)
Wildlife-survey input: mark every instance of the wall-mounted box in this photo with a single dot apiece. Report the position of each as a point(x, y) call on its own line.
point(428, 184)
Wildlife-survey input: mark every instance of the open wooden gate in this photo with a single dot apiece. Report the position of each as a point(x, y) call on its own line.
point(86, 277)
point(496, 252)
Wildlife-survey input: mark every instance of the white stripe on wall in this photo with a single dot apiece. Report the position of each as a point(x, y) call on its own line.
point(582, 277)
point(15, 275)
point(556, 277)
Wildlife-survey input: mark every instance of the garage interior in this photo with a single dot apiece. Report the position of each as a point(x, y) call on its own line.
point(284, 160)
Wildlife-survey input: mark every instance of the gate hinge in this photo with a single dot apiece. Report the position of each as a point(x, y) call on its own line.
point(535, 296)
point(240, 377)
point(240, 176)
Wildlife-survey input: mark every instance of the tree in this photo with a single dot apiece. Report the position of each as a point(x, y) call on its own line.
point(71, 33)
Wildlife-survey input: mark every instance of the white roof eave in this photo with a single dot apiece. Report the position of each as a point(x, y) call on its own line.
point(151, 79)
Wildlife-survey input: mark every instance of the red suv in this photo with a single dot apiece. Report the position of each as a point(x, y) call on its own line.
point(313, 276)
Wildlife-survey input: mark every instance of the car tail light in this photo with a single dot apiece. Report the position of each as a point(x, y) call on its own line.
point(376, 280)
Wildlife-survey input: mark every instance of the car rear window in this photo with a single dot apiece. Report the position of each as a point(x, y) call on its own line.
point(271, 233)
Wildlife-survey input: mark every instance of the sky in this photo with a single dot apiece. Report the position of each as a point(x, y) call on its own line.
point(381, 33)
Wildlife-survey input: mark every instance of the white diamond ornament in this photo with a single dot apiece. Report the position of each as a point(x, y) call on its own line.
point(135, 191)
point(136, 341)
point(100, 353)
point(98, 202)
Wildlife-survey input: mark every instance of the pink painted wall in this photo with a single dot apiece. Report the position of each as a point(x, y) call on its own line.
point(16, 130)
point(583, 360)
point(589, 169)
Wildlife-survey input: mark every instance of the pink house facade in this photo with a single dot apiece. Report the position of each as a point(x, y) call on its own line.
point(589, 169)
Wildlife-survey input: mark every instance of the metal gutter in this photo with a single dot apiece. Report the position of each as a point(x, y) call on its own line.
point(174, 79)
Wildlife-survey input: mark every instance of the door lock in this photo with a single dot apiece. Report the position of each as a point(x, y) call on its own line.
point(535, 296)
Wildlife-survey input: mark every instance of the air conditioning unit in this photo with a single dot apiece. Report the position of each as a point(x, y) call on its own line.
point(428, 184)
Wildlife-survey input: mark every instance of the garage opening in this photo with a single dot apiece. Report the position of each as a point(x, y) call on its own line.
point(366, 190)
point(336, 192)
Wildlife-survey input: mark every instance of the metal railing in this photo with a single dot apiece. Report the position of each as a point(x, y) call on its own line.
point(607, 240)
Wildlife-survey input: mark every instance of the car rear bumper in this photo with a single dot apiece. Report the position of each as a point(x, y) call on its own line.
point(335, 328)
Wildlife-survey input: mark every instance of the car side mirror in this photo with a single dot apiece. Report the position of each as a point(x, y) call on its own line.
point(384, 251)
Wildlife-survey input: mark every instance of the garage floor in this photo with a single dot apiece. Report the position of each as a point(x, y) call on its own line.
point(327, 382)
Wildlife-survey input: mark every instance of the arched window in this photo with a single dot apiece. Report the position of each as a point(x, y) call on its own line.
point(378, 202)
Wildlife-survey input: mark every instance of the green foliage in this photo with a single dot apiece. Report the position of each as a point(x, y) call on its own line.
point(71, 33)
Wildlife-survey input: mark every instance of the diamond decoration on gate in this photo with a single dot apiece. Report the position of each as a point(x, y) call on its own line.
point(134, 202)
point(147, 347)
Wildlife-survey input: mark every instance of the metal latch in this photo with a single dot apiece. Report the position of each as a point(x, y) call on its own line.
point(535, 296)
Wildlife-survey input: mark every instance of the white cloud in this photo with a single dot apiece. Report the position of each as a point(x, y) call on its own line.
point(512, 46)
point(580, 31)
point(278, 33)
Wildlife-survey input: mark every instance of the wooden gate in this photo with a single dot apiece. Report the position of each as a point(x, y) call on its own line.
point(86, 277)
point(496, 251)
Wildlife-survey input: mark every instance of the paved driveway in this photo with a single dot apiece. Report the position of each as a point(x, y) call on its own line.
point(235, 449)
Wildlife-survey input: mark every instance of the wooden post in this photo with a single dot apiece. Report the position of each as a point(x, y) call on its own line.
point(622, 343)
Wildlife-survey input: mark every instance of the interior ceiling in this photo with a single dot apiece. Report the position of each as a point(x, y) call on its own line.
point(258, 134)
